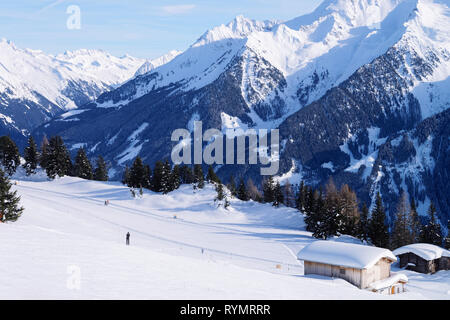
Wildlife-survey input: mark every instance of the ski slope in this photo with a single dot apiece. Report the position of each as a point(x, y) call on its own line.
point(69, 245)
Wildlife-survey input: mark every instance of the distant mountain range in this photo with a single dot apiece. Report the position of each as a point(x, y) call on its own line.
point(358, 89)
point(35, 87)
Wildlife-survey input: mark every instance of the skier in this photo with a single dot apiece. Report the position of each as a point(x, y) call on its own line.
point(128, 238)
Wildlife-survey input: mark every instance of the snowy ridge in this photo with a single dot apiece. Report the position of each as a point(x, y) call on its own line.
point(150, 65)
point(28, 74)
point(239, 28)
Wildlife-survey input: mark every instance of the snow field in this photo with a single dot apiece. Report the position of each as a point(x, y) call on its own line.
point(69, 245)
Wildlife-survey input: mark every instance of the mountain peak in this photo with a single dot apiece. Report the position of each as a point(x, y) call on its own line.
point(6, 42)
point(239, 28)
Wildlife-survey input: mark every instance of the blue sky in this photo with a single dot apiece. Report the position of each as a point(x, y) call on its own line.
point(140, 28)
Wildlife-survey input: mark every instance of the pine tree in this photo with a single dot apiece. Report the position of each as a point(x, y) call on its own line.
point(323, 217)
point(166, 178)
point(199, 176)
point(9, 155)
point(301, 196)
point(157, 177)
point(44, 153)
point(10, 209)
point(220, 192)
point(278, 195)
point(82, 167)
point(146, 180)
point(447, 239)
point(221, 197)
point(242, 193)
point(349, 215)
point(364, 223)
point(401, 234)
point(289, 198)
point(268, 190)
point(431, 232)
point(232, 187)
point(378, 230)
point(31, 156)
point(138, 173)
point(101, 171)
point(187, 177)
point(56, 158)
point(126, 177)
point(253, 191)
point(414, 222)
point(313, 215)
point(211, 176)
point(175, 178)
point(328, 211)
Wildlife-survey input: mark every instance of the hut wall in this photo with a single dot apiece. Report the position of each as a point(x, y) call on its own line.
point(351, 275)
point(421, 265)
point(381, 270)
point(444, 263)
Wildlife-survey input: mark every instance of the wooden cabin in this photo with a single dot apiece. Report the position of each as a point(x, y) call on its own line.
point(360, 265)
point(423, 258)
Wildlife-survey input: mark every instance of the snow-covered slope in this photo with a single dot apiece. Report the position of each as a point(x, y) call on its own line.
point(69, 245)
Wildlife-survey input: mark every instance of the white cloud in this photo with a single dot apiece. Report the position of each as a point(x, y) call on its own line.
point(178, 9)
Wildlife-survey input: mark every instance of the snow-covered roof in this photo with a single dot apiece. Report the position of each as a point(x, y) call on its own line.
point(344, 254)
point(386, 283)
point(423, 250)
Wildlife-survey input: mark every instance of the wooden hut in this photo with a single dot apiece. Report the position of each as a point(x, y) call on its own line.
point(423, 257)
point(360, 265)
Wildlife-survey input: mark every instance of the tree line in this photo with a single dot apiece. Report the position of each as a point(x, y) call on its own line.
point(53, 157)
point(328, 211)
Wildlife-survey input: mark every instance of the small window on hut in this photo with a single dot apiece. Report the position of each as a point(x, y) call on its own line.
point(342, 271)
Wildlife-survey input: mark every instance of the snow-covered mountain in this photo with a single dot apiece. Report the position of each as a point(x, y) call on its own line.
point(40, 86)
point(338, 82)
point(312, 53)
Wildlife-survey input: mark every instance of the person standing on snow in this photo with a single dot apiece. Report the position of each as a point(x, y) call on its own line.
point(128, 238)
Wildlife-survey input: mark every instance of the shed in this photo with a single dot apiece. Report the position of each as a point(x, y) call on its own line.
point(358, 264)
point(423, 257)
